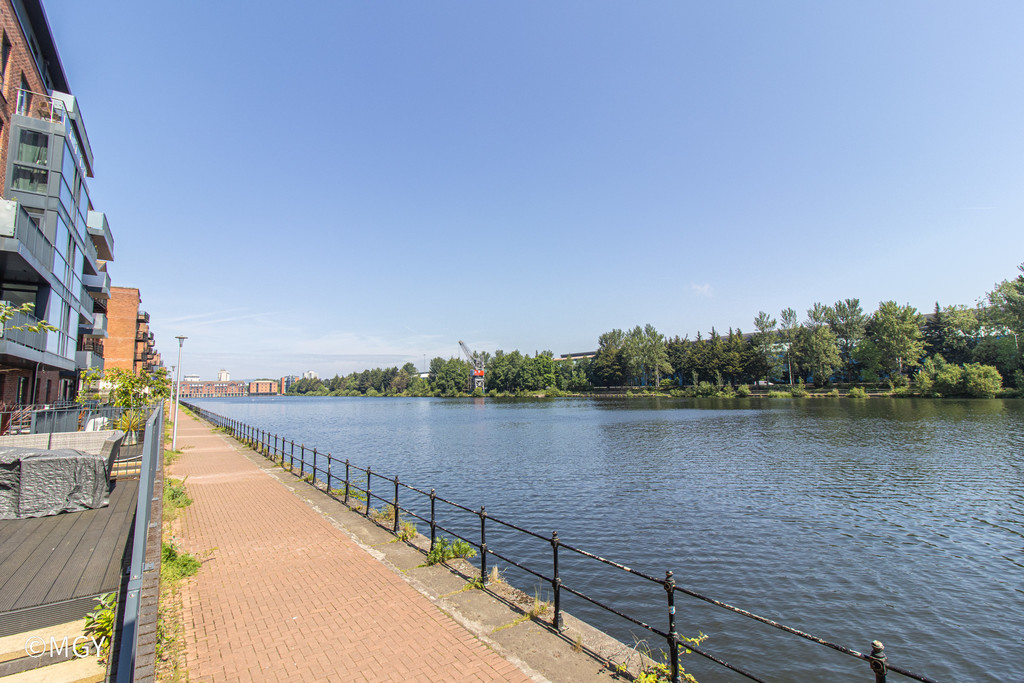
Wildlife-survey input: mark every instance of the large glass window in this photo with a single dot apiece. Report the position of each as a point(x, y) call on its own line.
point(19, 295)
point(33, 147)
point(29, 179)
point(61, 240)
point(65, 198)
point(68, 167)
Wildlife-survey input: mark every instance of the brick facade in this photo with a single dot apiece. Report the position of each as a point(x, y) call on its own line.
point(19, 64)
point(263, 387)
point(122, 328)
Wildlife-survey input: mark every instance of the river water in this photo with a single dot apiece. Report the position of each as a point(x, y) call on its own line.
point(896, 520)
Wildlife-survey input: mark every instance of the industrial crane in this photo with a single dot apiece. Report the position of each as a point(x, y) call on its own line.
point(476, 360)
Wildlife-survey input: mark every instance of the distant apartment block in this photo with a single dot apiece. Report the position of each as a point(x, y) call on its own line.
point(287, 381)
point(263, 387)
point(130, 345)
point(309, 374)
point(213, 389)
point(53, 246)
point(190, 378)
point(223, 376)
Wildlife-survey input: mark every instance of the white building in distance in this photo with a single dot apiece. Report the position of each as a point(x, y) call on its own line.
point(223, 376)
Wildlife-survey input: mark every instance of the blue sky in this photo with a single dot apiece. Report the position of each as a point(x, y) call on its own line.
point(342, 185)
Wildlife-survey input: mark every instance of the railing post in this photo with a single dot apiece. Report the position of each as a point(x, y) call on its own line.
point(346, 481)
point(291, 460)
point(395, 503)
point(328, 472)
point(673, 637)
point(556, 584)
point(877, 661)
point(366, 509)
point(314, 467)
point(483, 545)
point(302, 459)
point(275, 448)
point(433, 524)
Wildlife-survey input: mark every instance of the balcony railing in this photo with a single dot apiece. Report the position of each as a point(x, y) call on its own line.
point(33, 340)
point(29, 234)
point(41, 106)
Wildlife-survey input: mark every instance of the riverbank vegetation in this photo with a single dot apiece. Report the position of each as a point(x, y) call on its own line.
point(836, 350)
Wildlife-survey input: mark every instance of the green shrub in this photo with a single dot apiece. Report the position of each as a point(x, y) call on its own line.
point(779, 394)
point(833, 394)
point(949, 380)
point(99, 624)
point(857, 392)
point(799, 391)
point(743, 391)
point(981, 381)
point(705, 389)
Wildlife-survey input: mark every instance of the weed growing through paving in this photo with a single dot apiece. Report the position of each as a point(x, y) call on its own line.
point(176, 565)
point(176, 498)
point(445, 550)
point(656, 670)
point(407, 531)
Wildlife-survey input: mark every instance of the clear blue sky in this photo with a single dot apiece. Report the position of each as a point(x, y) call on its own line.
point(342, 185)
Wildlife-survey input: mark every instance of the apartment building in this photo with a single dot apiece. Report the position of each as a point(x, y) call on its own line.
point(130, 345)
point(213, 389)
point(54, 246)
point(263, 387)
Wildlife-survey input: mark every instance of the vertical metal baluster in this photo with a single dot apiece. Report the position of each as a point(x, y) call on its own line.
point(314, 466)
point(673, 637)
point(346, 481)
point(556, 584)
point(877, 661)
point(433, 524)
point(396, 506)
point(302, 459)
point(328, 471)
point(366, 512)
point(483, 545)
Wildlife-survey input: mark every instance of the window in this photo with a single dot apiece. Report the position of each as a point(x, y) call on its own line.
point(33, 147)
point(5, 53)
point(29, 179)
point(24, 97)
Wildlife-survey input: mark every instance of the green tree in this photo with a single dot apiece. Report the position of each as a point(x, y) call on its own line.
point(789, 328)
point(820, 348)
point(848, 321)
point(896, 331)
point(609, 365)
point(765, 357)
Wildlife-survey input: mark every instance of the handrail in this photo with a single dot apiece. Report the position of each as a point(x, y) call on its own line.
point(279, 449)
point(151, 457)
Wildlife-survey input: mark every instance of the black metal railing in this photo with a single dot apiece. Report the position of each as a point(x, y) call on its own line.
point(357, 482)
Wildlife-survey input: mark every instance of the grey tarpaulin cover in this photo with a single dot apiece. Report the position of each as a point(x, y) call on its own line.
point(36, 482)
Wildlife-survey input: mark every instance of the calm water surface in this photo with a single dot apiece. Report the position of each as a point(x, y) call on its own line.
point(897, 520)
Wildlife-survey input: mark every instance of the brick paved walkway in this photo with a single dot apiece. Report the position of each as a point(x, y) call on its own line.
point(285, 596)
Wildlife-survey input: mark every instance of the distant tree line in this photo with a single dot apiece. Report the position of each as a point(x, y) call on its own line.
point(957, 350)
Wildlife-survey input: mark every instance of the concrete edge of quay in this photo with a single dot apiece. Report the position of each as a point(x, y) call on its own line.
point(498, 618)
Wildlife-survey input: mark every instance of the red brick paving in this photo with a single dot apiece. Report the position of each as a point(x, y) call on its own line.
point(285, 596)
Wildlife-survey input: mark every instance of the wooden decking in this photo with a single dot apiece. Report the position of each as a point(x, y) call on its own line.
point(52, 568)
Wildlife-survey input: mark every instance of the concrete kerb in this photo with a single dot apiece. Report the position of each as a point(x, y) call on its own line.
point(579, 652)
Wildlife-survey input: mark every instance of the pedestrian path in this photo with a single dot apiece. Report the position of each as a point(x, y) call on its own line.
point(283, 595)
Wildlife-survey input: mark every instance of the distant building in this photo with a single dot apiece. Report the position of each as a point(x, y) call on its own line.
point(191, 378)
point(213, 389)
point(287, 381)
point(223, 376)
point(130, 345)
point(309, 374)
point(263, 387)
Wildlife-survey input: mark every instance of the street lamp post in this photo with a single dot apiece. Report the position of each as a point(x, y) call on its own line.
point(177, 396)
